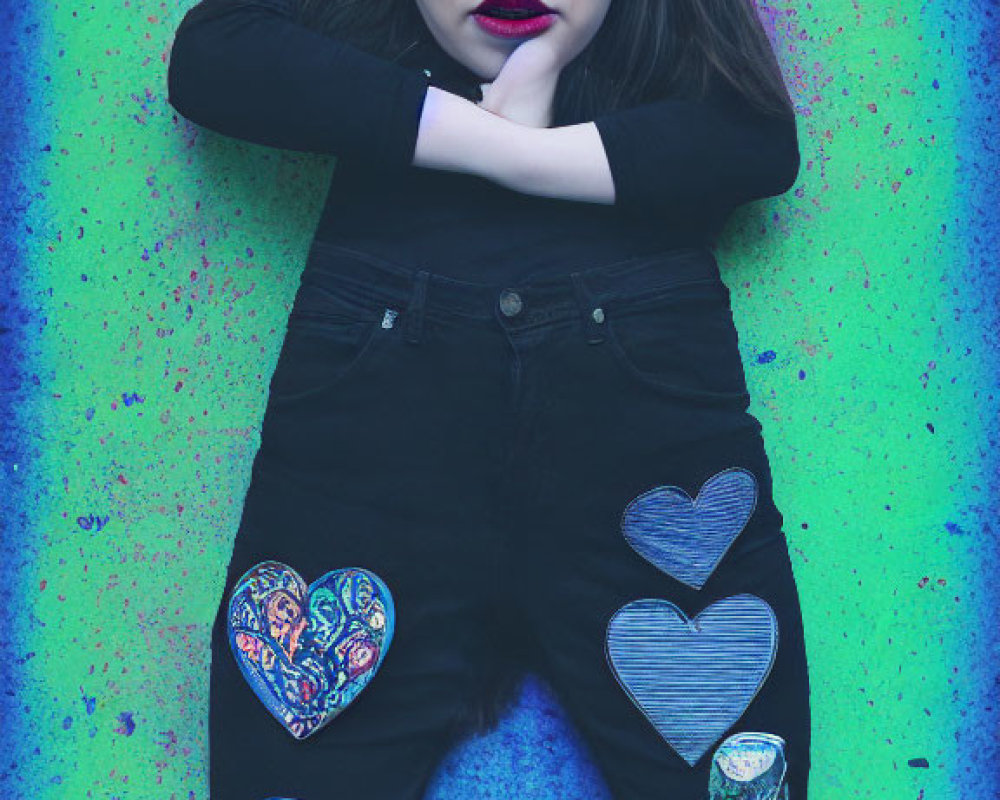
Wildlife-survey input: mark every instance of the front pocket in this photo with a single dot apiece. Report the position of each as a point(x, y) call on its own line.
point(680, 341)
point(330, 335)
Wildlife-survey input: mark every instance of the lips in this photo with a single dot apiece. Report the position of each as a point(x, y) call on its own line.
point(512, 8)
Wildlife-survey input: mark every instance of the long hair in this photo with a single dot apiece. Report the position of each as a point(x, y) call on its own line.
point(644, 50)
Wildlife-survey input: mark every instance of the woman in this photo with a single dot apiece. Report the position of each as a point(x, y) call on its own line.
point(511, 389)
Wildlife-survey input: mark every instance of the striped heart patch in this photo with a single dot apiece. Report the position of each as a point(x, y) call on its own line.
point(687, 538)
point(692, 678)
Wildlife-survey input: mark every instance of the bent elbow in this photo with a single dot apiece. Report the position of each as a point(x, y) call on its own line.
point(178, 85)
point(774, 167)
point(788, 161)
point(186, 69)
point(211, 59)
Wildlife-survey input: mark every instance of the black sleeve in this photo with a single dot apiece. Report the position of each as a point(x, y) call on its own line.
point(246, 68)
point(681, 156)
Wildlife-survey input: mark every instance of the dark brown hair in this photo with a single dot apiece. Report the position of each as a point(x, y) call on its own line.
point(644, 50)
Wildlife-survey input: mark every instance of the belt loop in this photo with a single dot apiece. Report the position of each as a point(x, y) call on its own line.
point(413, 324)
point(592, 315)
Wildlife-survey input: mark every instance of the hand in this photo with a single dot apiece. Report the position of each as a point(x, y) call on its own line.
point(525, 88)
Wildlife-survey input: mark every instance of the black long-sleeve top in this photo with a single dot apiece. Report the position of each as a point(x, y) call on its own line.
point(246, 68)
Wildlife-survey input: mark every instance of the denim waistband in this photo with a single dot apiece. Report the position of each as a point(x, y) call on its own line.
point(421, 289)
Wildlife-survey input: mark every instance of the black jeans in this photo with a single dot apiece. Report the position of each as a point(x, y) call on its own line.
point(519, 465)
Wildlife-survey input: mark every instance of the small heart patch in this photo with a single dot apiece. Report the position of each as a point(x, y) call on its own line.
point(308, 651)
point(692, 678)
point(687, 538)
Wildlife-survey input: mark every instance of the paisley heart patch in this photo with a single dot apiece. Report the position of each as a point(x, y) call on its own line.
point(308, 651)
point(687, 539)
point(692, 678)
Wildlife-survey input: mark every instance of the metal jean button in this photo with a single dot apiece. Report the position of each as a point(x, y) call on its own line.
point(510, 302)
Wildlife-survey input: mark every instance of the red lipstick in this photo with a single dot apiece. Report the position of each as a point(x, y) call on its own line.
point(513, 19)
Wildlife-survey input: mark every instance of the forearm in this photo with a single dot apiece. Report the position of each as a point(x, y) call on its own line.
point(566, 163)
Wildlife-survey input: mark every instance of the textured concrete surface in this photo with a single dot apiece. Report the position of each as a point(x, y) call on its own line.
point(148, 268)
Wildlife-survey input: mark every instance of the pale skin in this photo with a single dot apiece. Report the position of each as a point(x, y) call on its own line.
point(506, 138)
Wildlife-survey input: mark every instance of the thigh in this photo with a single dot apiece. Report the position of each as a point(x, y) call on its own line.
point(364, 463)
point(663, 601)
point(386, 744)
